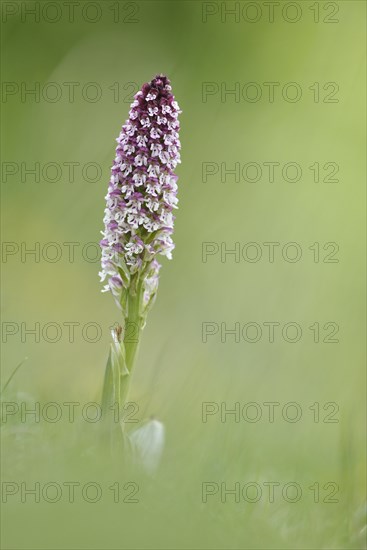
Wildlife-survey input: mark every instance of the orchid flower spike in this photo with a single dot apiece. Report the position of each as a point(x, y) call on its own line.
point(142, 195)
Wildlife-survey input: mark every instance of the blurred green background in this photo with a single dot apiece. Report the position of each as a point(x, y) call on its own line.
point(194, 43)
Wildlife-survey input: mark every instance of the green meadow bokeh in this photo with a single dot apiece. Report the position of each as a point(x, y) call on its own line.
point(211, 57)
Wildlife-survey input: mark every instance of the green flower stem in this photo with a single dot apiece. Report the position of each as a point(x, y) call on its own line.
point(133, 328)
point(133, 325)
point(122, 356)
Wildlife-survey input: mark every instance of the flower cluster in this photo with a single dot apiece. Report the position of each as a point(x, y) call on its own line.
point(142, 191)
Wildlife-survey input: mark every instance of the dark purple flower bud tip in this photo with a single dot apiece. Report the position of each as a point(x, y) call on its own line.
point(159, 88)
